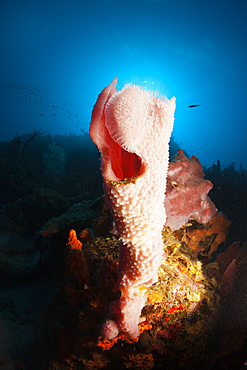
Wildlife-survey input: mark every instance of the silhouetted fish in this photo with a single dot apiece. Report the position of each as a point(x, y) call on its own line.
point(41, 114)
point(194, 105)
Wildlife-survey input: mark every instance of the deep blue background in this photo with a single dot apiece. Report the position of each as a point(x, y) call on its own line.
point(57, 55)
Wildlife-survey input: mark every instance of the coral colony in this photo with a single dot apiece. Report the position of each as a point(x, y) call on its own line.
point(132, 129)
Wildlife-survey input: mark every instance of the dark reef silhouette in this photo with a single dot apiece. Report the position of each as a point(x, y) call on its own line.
point(69, 165)
point(51, 190)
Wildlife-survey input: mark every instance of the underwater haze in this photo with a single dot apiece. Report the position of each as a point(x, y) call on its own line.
point(57, 56)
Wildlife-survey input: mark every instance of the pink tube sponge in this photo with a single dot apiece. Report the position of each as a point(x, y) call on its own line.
point(132, 129)
point(186, 193)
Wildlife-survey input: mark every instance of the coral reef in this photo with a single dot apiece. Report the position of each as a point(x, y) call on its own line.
point(186, 192)
point(139, 361)
point(55, 291)
point(230, 195)
point(68, 164)
point(18, 260)
point(204, 239)
point(132, 130)
point(78, 216)
point(182, 310)
point(26, 215)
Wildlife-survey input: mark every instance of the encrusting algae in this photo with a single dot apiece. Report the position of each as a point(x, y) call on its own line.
point(176, 322)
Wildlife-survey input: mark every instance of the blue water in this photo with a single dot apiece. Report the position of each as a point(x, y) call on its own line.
point(58, 55)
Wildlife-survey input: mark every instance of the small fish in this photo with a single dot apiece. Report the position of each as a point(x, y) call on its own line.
point(41, 114)
point(194, 105)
